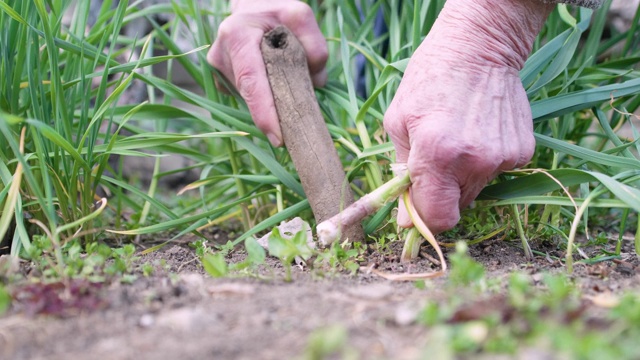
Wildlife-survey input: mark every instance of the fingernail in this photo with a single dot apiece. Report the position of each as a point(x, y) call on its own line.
point(274, 140)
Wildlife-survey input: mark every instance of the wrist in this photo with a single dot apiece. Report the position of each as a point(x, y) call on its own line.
point(497, 32)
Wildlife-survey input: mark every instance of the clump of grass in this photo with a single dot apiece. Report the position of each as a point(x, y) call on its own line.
point(61, 122)
point(61, 83)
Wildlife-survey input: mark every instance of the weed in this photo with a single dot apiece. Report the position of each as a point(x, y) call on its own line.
point(201, 248)
point(215, 265)
point(552, 318)
point(287, 249)
point(5, 300)
point(147, 269)
point(329, 342)
point(338, 257)
point(225, 249)
point(96, 262)
point(464, 270)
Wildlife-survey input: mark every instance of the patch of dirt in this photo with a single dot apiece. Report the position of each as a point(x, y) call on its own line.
point(179, 312)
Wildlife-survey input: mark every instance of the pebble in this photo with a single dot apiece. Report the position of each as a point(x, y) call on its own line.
point(146, 320)
point(537, 277)
point(183, 319)
point(193, 280)
point(406, 314)
point(372, 292)
point(231, 289)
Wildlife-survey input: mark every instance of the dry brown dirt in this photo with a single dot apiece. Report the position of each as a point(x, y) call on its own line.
point(181, 313)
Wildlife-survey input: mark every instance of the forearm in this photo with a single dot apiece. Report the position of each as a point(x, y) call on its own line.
point(499, 32)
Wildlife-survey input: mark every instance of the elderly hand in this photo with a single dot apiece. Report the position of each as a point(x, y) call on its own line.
point(236, 53)
point(461, 115)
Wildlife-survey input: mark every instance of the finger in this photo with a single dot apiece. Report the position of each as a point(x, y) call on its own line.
point(217, 57)
point(250, 76)
point(319, 79)
point(527, 146)
point(522, 148)
point(434, 164)
point(470, 192)
point(299, 18)
point(222, 84)
point(436, 197)
point(395, 127)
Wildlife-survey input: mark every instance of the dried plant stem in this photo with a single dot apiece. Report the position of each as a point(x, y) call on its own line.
point(423, 229)
point(573, 232)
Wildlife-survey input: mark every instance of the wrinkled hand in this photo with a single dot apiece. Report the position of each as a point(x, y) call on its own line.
point(461, 115)
point(236, 53)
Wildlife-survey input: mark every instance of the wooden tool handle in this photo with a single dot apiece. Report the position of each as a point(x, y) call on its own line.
point(304, 131)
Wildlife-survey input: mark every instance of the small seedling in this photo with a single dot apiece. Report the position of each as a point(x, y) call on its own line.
point(200, 247)
point(215, 265)
point(288, 249)
point(340, 257)
point(256, 254)
point(464, 270)
point(147, 269)
point(329, 342)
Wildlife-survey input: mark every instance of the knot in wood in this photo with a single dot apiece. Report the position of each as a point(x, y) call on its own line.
point(278, 38)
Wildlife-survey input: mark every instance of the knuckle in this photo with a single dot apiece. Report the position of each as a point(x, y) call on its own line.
point(527, 150)
point(451, 151)
point(236, 39)
point(321, 54)
point(214, 57)
point(528, 147)
point(226, 29)
point(298, 13)
point(393, 122)
point(445, 217)
point(448, 223)
point(246, 83)
point(520, 152)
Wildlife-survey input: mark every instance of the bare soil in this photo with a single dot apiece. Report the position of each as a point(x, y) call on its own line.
point(179, 312)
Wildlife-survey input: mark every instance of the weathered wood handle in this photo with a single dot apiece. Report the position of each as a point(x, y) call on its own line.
point(304, 131)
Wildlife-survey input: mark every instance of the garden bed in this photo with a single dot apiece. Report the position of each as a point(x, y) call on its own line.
point(180, 312)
